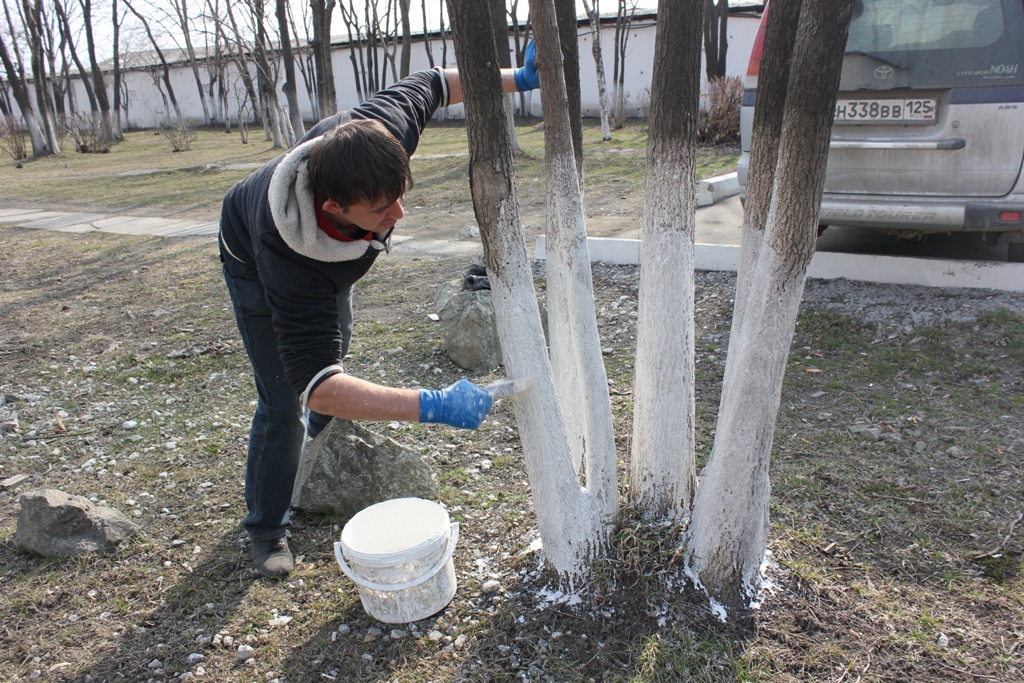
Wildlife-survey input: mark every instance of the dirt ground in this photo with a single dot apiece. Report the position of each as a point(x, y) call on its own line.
point(895, 555)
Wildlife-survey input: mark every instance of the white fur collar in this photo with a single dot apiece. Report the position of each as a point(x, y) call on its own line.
point(291, 205)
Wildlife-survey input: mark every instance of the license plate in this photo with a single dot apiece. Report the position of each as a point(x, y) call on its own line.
point(886, 111)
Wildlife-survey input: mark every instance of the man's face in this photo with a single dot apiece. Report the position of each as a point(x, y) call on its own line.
point(370, 216)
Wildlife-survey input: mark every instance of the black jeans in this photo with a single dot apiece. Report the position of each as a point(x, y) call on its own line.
point(279, 426)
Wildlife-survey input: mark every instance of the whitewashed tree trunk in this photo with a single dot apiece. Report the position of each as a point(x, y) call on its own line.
point(580, 379)
point(662, 477)
point(569, 517)
point(728, 532)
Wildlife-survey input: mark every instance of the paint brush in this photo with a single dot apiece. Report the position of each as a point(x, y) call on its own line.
point(511, 387)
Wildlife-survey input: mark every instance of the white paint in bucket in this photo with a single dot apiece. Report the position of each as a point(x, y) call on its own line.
point(399, 553)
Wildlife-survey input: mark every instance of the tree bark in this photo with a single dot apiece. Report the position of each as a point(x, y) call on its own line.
point(662, 477)
point(580, 378)
point(289, 88)
point(323, 12)
point(728, 533)
point(99, 83)
point(568, 516)
point(426, 35)
point(500, 26)
point(406, 38)
point(569, 39)
point(595, 46)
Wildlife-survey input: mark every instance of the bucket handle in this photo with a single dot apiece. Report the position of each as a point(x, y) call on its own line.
point(452, 540)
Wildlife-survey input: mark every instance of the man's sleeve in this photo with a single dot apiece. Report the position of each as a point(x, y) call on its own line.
point(305, 314)
point(407, 106)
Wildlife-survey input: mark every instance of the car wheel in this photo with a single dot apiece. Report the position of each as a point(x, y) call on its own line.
point(1015, 253)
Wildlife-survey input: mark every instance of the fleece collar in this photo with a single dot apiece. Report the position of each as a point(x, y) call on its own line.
point(294, 213)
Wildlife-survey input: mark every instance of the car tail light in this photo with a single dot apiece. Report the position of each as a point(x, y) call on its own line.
point(754, 66)
point(1010, 216)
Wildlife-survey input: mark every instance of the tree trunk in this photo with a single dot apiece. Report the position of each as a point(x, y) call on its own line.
point(500, 27)
point(33, 15)
point(406, 38)
point(290, 91)
point(426, 35)
point(323, 12)
point(728, 534)
point(662, 477)
point(716, 37)
point(16, 77)
point(569, 39)
point(181, 10)
point(568, 516)
point(580, 378)
point(595, 46)
point(99, 84)
point(355, 41)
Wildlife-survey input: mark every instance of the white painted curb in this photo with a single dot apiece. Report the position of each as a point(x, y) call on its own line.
point(713, 190)
point(895, 270)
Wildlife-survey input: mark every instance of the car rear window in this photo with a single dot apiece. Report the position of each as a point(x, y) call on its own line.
point(943, 42)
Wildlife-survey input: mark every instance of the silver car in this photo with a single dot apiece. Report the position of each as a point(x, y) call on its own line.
point(929, 126)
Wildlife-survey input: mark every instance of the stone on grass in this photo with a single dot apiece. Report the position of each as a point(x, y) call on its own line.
point(244, 653)
point(53, 523)
point(866, 431)
point(347, 468)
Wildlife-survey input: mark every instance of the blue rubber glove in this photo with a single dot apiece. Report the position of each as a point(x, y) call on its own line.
point(463, 405)
point(526, 76)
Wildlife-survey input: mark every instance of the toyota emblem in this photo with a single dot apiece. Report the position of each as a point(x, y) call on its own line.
point(884, 72)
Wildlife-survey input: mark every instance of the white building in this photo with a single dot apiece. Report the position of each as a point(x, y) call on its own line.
point(146, 103)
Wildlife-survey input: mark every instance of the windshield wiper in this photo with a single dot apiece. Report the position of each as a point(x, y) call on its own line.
point(879, 58)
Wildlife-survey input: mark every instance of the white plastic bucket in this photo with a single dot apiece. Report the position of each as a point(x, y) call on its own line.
point(399, 553)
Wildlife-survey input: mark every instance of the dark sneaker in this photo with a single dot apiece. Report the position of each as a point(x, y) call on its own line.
point(273, 558)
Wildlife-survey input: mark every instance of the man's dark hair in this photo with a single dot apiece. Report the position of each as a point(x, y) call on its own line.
point(360, 160)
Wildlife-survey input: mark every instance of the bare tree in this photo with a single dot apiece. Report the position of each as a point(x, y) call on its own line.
point(727, 537)
point(165, 69)
point(184, 26)
point(116, 21)
point(305, 59)
point(323, 11)
point(404, 5)
point(624, 13)
point(99, 83)
point(15, 68)
point(426, 34)
point(520, 40)
point(288, 58)
point(662, 472)
point(67, 41)
point(33, 18)
point(716, 37)
point(595, 46)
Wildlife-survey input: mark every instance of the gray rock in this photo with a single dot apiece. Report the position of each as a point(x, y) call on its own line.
point(53, 524)
point(866, 431)
point(469, 327)
point(347, 468)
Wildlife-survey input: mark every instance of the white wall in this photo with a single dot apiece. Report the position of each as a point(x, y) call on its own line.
point(146, 106)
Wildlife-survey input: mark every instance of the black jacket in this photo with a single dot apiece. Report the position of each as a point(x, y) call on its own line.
point(267, 223)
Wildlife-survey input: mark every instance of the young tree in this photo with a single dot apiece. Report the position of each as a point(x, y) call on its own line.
point(595, 45)
point(716, 37)
point(727, 537)
point(99, 83)
point(165, 69)
point(288, 58)
point(184, 26)
point(662, 472)
point(15, 69)
point(624, 12)
point(406, 38)
point(34, 19)
point(323, 12)
point(571, 518)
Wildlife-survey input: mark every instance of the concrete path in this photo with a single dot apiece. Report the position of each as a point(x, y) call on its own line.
point(98, 222)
